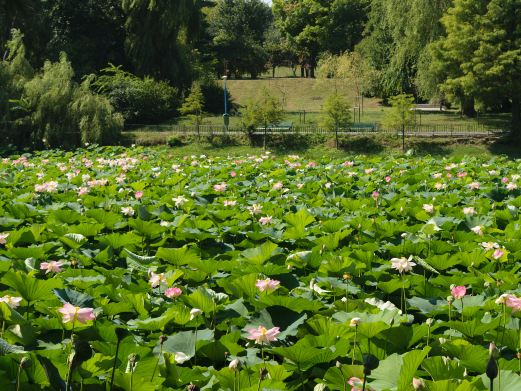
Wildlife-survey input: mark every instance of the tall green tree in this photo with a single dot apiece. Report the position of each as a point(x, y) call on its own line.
point(315, 26)
point(238, 29)
point(91, 32)
point(396, 36)
point(480, 57)
point(159, 34)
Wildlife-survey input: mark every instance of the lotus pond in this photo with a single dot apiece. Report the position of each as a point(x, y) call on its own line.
point(130, 269)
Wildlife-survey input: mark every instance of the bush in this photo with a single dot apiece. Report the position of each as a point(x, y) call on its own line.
point(175, 141)
point(141, 101)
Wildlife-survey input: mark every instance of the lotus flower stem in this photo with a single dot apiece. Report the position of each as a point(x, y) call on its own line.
point(158, 358)
point(18, 378)
point(114, 365)
point(462, 319)
point(504, 316)
point(354, 346)
point(363, 384)
point(195, 347)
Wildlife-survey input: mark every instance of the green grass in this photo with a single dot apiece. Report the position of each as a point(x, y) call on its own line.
point(299, 95)
point(374, 145)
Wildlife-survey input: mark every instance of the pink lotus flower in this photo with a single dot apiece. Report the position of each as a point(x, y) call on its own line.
point(83, 191)
point(429, 208)
point(262, 335)
point(157, 279)
point(52, 266)
point(221, 187)
point(474, 185)
point(513, 302)
point(348, 164)
point(277, 186)
point(173, 292)
point(355, 383)
point(127, 211)
point(265, 220)
point(72, 313)
point(375, 195)
point(505, 180)
point(388, 179)
point(311, 164)
point(478, 229)
point(462, 174)
point(11, 301)
point(3, 237)
point(138, 195)
point(402, 264)
point(498, 254)
point(233, 174)
point(458, 292)
point(229, 203)
point(267, 285)
point(469, 211)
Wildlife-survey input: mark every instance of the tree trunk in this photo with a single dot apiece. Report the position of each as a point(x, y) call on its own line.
point(273, 72)
point(302, 74)
point(516, 119)
point(467, 107)
point(312, 65)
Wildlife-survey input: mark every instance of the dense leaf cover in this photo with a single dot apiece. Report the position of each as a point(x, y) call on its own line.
point(290, 274)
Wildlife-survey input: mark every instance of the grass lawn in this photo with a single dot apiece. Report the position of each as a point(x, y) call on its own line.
point(378, 145)
point(308, 95)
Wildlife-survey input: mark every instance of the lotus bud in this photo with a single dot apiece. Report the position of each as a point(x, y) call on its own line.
point(429, 322)
point(347, 276)
point(354, 322)
point(235, 364)
point(492, 369)
point(194, 313)
point(162, 339)
point(450, 299)
point(25, 362)
point(192, 387)
point(418, 384)
point(263, 373)
point(132, 362)
point(338, 364)
point(493, 350)
point(343, 299)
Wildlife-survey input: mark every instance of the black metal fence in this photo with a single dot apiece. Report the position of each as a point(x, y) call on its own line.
point(423, 130)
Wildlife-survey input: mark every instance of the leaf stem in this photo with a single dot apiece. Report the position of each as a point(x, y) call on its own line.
point(114, 365)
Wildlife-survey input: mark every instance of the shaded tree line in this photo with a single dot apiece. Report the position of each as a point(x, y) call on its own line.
point(146, 54)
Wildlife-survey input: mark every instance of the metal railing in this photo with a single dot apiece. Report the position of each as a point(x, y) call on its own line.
point(423, 130)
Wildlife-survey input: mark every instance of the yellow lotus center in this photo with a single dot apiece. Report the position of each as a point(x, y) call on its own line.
point(263, 330)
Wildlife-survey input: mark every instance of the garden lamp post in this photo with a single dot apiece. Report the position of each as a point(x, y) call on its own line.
point(226, 116)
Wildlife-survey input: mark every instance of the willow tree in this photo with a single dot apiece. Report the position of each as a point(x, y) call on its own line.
point(159, 34)
point(397, 34)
